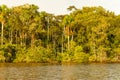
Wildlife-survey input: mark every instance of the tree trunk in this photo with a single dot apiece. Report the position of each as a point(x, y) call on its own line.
point(62, 43)
point(21, 38)
point(2, 28)
point(25, 41)
point(16, 36)
point(48, 33)
point(32, 40)
point(11, 37)
point(68, 42)
point(68, 39)
point(72, 38)
point(63, 34)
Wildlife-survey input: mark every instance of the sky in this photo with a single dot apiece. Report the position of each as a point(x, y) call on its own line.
point(58, 7)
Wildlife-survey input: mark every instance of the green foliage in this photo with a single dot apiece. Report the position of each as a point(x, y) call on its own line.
point(90, 34)
point(37, 54)
point(9, 52)
point(67, 56)
point(2, 57)
point(79, 55)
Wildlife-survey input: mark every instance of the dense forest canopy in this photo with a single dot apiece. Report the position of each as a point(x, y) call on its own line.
point(90, 34)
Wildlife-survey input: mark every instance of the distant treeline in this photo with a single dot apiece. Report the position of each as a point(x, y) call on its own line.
point(90, 34)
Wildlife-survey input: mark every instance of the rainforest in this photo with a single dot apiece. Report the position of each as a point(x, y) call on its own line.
point(89, 34)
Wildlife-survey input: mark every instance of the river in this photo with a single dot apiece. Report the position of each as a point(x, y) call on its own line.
point(22, 71)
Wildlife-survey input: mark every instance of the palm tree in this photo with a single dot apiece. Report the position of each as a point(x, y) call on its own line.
point(3, 12)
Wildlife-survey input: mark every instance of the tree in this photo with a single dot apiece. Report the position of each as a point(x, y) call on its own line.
point(90, 34)
point(70, 8)
point(3, 16)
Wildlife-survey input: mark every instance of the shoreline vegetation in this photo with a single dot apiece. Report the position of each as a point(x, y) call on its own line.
point(87, 35)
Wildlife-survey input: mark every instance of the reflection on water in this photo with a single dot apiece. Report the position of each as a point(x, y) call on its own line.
point(59, 72)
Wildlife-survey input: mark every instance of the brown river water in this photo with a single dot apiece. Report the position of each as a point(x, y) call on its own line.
point(36, 71)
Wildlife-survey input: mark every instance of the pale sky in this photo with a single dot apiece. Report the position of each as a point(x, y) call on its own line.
point(60, 6)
